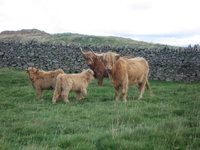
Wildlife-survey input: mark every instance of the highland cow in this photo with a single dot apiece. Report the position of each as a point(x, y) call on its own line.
point(123, 72)
point(97, 66)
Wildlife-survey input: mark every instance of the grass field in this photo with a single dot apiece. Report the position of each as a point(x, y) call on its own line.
point(169, 120)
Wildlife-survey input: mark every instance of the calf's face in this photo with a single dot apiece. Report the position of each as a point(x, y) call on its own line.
point(31, 72)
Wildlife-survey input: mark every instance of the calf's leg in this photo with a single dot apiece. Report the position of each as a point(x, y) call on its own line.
point(56, 95)
point(78, 95)
point(65, 96)
point(84, 92)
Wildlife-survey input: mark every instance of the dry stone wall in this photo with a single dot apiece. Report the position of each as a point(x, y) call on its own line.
point(181, 64)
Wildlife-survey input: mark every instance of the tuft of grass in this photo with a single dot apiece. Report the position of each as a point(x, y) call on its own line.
point(168, 120)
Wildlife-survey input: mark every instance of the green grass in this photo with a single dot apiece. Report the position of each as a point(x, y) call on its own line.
point(79, 39)
point(168, 120)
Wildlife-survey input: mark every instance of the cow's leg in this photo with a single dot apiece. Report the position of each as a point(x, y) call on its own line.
point(38, 93)
point(148, 88)
point(117, 94)
point(124, 92)
point(55, 97)
point(100, 81)
point(141, 87)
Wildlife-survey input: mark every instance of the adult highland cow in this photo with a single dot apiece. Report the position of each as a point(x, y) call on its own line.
point(97, 66)
point(123, 72)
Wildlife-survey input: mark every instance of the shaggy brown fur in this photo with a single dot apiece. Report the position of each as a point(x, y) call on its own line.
point(97, 66)
point(42, 80)
point(72, 82)
point(123, 72)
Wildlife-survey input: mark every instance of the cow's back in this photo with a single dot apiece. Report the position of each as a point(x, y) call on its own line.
point(138, 69)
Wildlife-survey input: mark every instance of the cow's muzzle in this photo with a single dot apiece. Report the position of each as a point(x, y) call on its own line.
point(108, 69)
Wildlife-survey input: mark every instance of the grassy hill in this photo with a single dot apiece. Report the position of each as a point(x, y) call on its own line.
point(168, 120)
point(71, 38)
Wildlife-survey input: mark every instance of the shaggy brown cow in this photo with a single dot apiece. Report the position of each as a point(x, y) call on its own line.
point(96, 65)
point(123, 72)
point(42, 80)
point(72, 82)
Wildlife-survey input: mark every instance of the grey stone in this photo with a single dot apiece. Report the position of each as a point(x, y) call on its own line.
point(30, 64)
point(182, 64)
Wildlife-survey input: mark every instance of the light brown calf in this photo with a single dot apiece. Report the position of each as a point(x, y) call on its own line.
point(72, 82)
point(42, 80)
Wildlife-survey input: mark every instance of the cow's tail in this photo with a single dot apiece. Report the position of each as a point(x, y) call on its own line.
point(58, 89)
point(149, 88)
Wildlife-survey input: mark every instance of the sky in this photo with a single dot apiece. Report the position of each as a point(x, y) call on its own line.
point(173, 22)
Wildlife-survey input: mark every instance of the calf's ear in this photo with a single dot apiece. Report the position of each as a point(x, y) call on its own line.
point(36, 70)
point(89, 73)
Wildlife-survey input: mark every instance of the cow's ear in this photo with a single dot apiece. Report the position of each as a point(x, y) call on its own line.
point(100, 57)
point(117, 56)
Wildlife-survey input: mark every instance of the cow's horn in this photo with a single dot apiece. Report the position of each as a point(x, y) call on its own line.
point(90, 49)
point(96, 54)
point(81, 50)
point(93, 51)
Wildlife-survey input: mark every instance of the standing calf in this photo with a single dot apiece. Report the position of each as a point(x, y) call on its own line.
point(43, 80)
point(72, 82)
point(123, 72)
